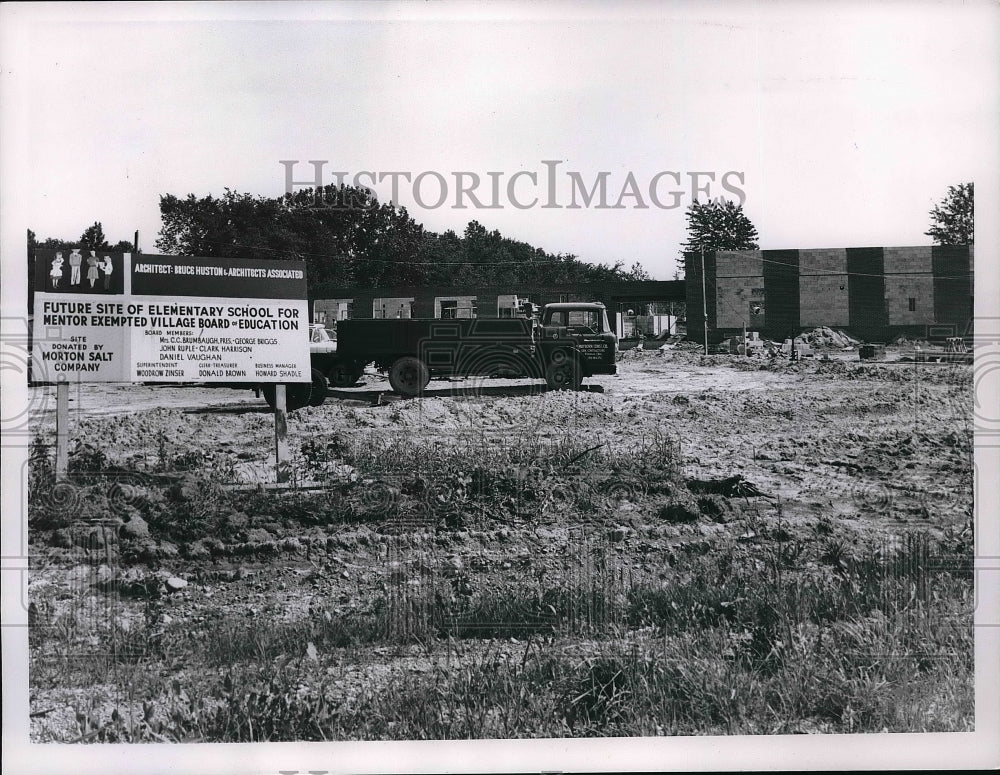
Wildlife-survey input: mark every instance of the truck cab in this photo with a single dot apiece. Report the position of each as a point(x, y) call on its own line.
point(579, 330)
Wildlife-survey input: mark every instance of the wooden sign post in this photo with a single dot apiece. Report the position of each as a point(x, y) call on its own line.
point(281, 434)
point(62, 429)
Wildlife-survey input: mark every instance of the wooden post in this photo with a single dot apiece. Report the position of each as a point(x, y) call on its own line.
point(704, 297)
point(280, 434)
point(62, 429)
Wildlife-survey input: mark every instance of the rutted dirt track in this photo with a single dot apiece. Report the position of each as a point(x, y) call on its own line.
point(857, 455)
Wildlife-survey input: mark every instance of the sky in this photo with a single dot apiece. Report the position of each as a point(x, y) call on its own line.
point(835, 124)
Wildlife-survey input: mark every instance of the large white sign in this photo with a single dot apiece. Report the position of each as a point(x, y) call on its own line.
point(123, 318)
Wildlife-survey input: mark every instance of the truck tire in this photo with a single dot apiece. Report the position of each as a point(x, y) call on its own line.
point(296, 395)
point(563, 372)
point(319, 387)
point(409, 376)
point(343, 375)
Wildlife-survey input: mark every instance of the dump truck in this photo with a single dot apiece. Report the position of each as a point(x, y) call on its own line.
point(561, 343)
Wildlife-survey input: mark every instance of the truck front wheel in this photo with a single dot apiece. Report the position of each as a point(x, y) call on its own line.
point(563, 373)
point(319, 387)
point(409, 376)
point(296, 395)
point(343, 375)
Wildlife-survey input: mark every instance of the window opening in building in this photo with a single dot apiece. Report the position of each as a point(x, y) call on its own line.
point(913, 304)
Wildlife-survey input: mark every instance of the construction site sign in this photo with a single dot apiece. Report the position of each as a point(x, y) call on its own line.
point(117, 317)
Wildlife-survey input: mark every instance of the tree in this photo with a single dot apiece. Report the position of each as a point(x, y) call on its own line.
point(953, 220)
point(345, 236)
point(348, 238)
point(637, 272)
point(93, 238)
point(718, 225)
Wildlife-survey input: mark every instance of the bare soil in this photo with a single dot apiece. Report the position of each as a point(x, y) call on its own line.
point(865, 453)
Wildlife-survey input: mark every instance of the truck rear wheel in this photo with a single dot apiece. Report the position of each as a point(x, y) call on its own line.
point(563, 372)
point(409, 376)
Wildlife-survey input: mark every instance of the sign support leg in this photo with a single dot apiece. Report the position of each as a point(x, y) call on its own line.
point(280, 434)
point(62, 430)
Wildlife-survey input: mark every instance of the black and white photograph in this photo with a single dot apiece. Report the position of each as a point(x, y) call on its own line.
point(507, 387)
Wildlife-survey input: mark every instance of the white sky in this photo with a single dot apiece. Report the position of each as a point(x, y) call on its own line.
point(848, 121)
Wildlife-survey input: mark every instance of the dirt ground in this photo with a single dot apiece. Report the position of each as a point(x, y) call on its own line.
point(878, 449)
point(803, 431)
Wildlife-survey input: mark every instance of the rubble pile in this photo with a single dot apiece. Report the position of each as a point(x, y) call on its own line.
point(905, 342)
point(824, 337)
point(681, 343)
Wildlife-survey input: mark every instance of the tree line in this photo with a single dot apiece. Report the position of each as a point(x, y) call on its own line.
point(348, 238)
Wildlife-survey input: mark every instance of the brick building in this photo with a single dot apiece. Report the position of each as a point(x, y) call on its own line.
point(874, 293)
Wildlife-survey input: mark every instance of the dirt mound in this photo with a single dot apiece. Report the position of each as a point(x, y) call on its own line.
point(829, 338)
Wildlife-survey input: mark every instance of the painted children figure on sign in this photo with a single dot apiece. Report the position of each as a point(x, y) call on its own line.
point(56, 271)
point(92, 268)
point(75, 262)
point(107, 267)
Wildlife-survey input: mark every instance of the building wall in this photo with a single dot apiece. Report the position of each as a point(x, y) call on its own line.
point(698, 303)
point(823, 294)
point(392, 307)
point(867, 291)
point(489, 299)
point(953, 285)
point(909, 275)
point(781, 293)
point(330, 310)
point(463, 306)
point(739, 289)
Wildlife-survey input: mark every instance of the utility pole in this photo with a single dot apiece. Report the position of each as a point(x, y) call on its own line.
point(704, 298)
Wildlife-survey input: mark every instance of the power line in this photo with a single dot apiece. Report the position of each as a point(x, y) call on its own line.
point(852, 274)
point(556, 260)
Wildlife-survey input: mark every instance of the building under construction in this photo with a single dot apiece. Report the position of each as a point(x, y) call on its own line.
point(651, 306)
point(874, 293)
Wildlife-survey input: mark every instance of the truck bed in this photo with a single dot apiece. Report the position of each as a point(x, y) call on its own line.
point(445, 346)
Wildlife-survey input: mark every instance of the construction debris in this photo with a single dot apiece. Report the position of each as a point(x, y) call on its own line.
point(730, 487)
point(829, 338)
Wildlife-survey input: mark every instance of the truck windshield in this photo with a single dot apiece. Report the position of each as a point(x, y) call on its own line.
point(583, 320)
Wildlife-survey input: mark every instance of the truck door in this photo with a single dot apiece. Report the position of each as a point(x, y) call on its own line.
point(587, 331)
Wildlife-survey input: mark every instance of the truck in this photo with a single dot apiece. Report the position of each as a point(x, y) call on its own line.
point(561, 343)
point(322, 353)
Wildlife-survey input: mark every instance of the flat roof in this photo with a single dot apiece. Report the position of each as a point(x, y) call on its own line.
point(575, 305)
